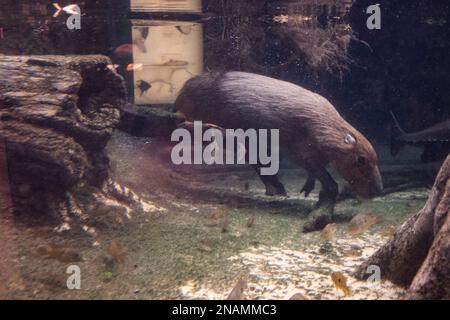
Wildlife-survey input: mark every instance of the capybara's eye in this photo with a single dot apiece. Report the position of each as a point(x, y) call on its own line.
point(361, 161)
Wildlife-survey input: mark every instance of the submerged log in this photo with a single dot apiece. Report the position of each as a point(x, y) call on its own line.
point(148, 122)
point(418, 256)
point(57, 114)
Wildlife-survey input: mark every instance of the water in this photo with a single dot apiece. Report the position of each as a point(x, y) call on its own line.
point(85, 153)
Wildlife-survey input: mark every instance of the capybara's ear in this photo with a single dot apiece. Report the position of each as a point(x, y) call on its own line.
point(350, 139)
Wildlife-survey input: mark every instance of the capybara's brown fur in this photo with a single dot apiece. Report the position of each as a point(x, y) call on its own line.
point(312, 133)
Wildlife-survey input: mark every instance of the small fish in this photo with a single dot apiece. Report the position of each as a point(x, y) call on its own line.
point(218, 214)
point(139, 42)
point(361, 223)
point(340, 282)
point(291, 19)
point(134, 66)
point(112, 67)
point(143, 86)
point(125, 50)
point(328, 232)
point(281, 18)
point(41, 29)
point(117, 251)
point(72, 9)
point(173, 63)
point(251, 221)
point(184, 29)
point(144, 31)
point(298, 296)
point(389, 232)
point(140, 37)
point(351, 252)
point(238, 291)
point(59, 252)
point(434, 21)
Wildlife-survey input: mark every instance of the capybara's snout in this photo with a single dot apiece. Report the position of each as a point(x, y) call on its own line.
point(371, 186)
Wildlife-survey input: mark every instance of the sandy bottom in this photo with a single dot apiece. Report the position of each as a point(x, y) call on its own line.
point(196, 243)
point(279, 272)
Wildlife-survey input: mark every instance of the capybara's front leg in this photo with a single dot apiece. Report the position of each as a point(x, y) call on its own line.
point(272, 184)
point(330, 189)
point(322, 214)
point(309, 185)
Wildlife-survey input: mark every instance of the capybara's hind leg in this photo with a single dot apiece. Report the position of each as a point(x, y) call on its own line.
point(272, 184)
point(309, 185)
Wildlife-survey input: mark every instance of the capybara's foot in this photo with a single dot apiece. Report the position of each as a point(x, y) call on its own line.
point(278, 190)
point(327, 198)
point(308, 186)
point(319, 217)
point(317, 224)
point(323, 202)
point(345, 192)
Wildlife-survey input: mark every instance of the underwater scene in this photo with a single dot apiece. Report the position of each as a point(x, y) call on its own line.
point(224, 149)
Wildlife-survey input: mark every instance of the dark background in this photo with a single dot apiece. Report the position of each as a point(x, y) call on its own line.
point(404, 67)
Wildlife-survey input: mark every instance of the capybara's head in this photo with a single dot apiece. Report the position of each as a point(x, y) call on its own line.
point(357, 162)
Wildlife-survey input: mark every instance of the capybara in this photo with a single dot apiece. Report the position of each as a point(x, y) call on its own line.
point(312, 133)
